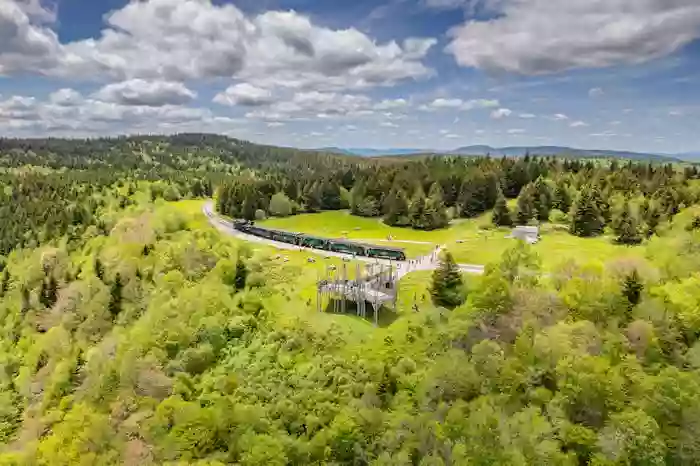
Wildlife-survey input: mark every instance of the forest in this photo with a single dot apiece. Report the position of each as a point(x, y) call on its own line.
point(131, 332)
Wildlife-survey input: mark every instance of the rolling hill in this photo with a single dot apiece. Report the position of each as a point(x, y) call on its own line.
point(517, 151)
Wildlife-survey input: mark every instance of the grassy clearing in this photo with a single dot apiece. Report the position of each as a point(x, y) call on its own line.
point(471, 241)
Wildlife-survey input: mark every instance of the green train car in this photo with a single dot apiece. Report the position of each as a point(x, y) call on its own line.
point(315, 242)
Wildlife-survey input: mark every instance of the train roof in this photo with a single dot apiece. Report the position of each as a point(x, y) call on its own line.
point(337, 240)
point(367, 245)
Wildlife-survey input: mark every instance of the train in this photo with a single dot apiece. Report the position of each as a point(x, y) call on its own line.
point(325, 244)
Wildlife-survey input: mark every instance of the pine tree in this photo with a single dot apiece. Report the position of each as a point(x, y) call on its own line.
point(5, 284)
point(447, 286)
point(632, 288)
point(501, 214)
point(562, 198)
point(586, 219)
point(653, 219)
point(542, 196)
point(627, 227)
point(25, 300)
point(694, 225)
point(435, 215)
point(241, 274)
point(99, 269)
point(330, 196)
point(49, 292)
point(311, 198)
point(396, 208)
point(115, 296)
point(525, 210)
point(249, 207)
point(601, 204)
point(417, 211)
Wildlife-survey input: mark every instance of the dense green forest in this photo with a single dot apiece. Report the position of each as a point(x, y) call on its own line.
point(133, 333)
point(425, 194)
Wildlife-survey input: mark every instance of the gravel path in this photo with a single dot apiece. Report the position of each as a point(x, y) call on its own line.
point(425, 263)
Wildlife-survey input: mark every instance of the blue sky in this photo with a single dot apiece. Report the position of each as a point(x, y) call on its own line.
point(617, 74)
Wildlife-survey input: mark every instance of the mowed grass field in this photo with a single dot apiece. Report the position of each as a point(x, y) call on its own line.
point(471, 241)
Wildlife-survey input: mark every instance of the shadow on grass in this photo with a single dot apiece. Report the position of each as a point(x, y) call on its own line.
point(386, 316)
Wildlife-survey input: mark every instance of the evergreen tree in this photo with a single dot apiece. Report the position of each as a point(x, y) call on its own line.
point(542, 196)
point(653, 218)
point(562, 198)
point(525, 210)
point(311, 198)
point(25, 300)
point(586, 219)
point(99, 269)
point(627, 227)
point(49, 292)
point(435, 215)
point(357, 196)
point(501, 214)
point(397, 208)
point(694, 224)
point(241, 274)
point(249, 207)
point(330, 196)
point(447, 287)
point(115, 296)
point(417, 210)
point(5, 284)
point(632, 288)
point(601, 203)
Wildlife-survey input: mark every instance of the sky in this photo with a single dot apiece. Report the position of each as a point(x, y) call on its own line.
point(425, 74)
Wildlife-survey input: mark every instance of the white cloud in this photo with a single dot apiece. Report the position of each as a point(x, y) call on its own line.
point(459, 104)
point(501, 113)
point(596, 92)
point(244, 94)
point(177, 40)
point(545, 36)
point(578, 124)
point(560, 117)
point(675, 113)
point(527, 115)
point(314, 104)
point(604, 134)
point(447, 103)
point(388, 124)
point(275, 124)
point(516, 131)
point(66, 97)
point(445, 4)
point(391, 104)
point(149, 93)
point(24, 45)
point(66, 112)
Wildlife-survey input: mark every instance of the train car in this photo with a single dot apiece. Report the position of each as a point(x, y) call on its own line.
point(313, 242)
point(286, 237)
point(261, 232)
point(386, 253)
point(346, 247)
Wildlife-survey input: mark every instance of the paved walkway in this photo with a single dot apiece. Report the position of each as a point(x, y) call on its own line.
point(425, 263)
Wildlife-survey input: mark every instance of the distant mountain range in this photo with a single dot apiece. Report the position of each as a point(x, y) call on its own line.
point(519, 151)
point(363, 152)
